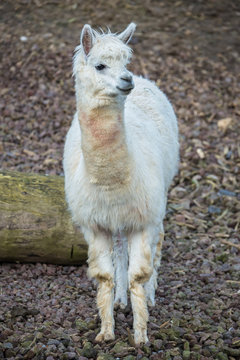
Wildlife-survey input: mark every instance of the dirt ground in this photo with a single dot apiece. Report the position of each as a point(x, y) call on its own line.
point(191, 49)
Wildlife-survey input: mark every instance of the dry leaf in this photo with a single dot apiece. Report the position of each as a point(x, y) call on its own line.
point(200, 153)
point(30, 153)
point(223, 124)
point(49, 162)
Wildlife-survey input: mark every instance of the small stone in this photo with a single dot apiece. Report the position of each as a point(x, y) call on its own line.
point(227, 193)
point(50, 358)
point(186, 346)
point(227, 335)
point(197, 347)
point(168, 355)
point(10, 353)
point(26, 344)
point(32, 352)
point(51, 349)
point(206, 352)
point(181, 295)
point(81, 325)
point(236, 315)
point(173, 333)
point(69, 355)
point(7, 345)
point(236, 267)
point(61, 347)
point(174, 352)
point(76, 338)
point(146, 348)
point(222, 257)
point(121, 349)
point(121, 317)
point(88, 350)
point(222, 356)
point(236, 342)
point(97, 347)
point(91, 324)
point(186, 354)
point(231, 351)
point(162, 335)
point(90, 335)
point(105, 357)
point(33, 312)
point(220, 330)
point(213, 349)
point(23, 38)
point(157, 344)
point(72, 355)
point(192, 338)
point(195, 355)
point(53, 342)
point(214, 209)
point(65, 342)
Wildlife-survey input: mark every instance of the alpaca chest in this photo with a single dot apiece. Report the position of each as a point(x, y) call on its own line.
point(118, 209)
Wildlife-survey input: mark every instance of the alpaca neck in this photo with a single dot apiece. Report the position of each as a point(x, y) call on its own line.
point(104, 147)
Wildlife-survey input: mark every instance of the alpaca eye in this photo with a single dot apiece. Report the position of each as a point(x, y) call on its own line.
point(100, 67)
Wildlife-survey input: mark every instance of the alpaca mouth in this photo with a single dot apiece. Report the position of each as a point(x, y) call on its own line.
point(126, 91)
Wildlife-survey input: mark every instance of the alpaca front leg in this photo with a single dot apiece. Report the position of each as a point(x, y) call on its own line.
point(105, 306)
point(101, 268)
point(140, 270)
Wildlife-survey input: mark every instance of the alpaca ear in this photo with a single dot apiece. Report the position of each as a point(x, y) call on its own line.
point(127, 34)
point(87, 38)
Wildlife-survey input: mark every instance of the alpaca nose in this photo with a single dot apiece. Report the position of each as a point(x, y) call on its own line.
point(127, 78)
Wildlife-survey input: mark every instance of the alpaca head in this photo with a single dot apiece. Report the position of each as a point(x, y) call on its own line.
point(100, 65)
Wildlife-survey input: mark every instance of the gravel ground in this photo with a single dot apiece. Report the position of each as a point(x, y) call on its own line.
point(191, 49)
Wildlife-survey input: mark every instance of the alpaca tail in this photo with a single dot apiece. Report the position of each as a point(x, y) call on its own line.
point(120, 261)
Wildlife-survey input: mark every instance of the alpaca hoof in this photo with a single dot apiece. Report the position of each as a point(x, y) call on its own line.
point(140, 337)
point(107, 336)
point(122, 305)
point(151, 302)
point(118, 302)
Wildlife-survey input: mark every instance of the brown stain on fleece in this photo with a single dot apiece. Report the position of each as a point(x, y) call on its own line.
point(104, 148)
point(145, 269)
point(105, 130)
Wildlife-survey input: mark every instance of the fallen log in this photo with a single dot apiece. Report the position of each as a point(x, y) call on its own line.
point(35, 225)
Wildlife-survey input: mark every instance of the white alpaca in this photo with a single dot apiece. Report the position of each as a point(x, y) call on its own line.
point(120, 156)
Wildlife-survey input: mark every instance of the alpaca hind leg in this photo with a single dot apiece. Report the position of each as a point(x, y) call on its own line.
point(120, 256)
point(101, 268)
point(151, 285)
point(140, 270)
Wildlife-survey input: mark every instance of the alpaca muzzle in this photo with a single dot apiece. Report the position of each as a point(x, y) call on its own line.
point(126, 87)
point(126, 83)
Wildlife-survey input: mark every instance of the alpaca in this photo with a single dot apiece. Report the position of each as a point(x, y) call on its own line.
point(120, 155)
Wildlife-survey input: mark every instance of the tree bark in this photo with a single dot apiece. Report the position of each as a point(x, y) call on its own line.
point(35, 225)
